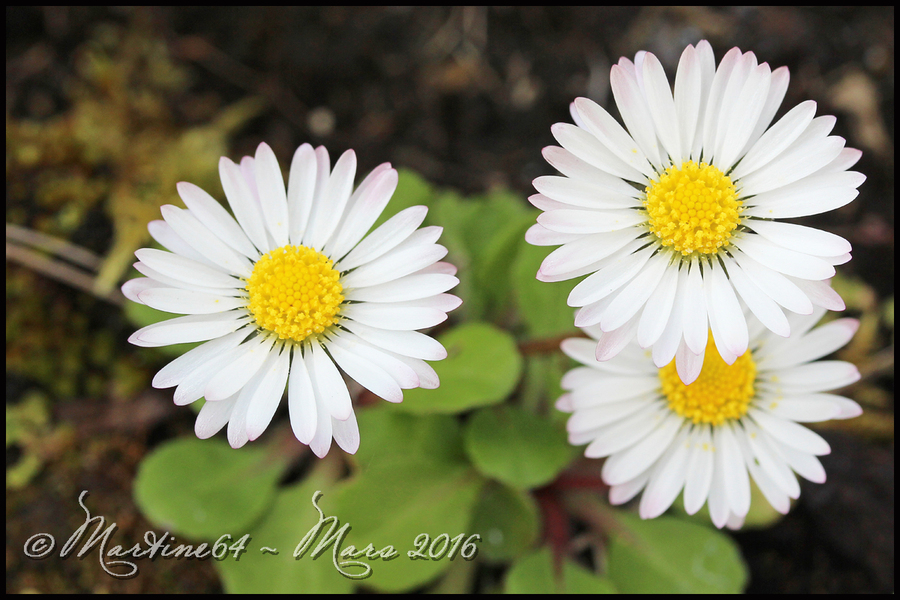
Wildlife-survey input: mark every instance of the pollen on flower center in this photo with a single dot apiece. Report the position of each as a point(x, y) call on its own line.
point(722, 392)
point(693, 208)
point(295, 292)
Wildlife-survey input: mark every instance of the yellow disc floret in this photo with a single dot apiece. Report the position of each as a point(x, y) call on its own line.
point(295, 292)
point(693, 208)
point(721, 393)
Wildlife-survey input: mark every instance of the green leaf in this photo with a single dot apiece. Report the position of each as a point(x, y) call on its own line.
point(204, 488)
point(507, 520)
point(541, 305)
point(390, 432)
point(291, 516)
point(394, 499)
point(516, 447)
point(482, 368)
point(671, 555)
point(534, 574)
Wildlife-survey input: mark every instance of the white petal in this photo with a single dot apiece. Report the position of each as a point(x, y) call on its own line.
point(765, 451)
point(800, 239)
point(133, 287)
point(321, 442)
point(606, 129)
point(401, 372)
point(163, 233)
point(699, 472)
point(695, 325)
point(613, 342)
point(779, 500)
point(346, 434)
point(269, 394)
point(394, 265)
point(635, 294)
point(804, 464)
point(776, 140)
point(820, 293)
point(807, 408)
point(192, 328)
point(175, 372)
point(687, 364)
point(662, 108)
point(216, 218)
point(591, 221)
point(187, 302)
point(658, 308)
point(622, 493)
point(300, 193)
point(667, 345)
point(588, 148)
point(790, 433)
point(745, 114)
point(635, 114)
point(566, 193)
point(409, 343)
point(388, 316)
point(765, 309)
point(783, 260)
point(366, 374)
point(387, 237)
point(213, 417)
point(410, 287)
point(621, 435)
point(726, 312)
point(774, 284)
point(538, 235)
point(329, 208)
point(687, 97)
point(186, 270)
point(235, 375)
point(625, 465)
point(165, 281)
point(816, 377)
point(820, 342)
point(737, 483)
point(243, 204)
point(302, 406)
point(667, 479)
point(586, 250)
point(272, 196)
point(778, 85)
point(573, 167)
point(805, 157)
point(602, 283)
point(204, 241)
point(363, 209)
point(818, 193)
point(331, 391)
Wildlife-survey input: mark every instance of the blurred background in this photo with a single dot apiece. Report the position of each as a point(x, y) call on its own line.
point(106, 109)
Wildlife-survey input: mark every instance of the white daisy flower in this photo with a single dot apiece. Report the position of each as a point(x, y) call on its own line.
point(676, 214)
point(290, 291)
point(662, 436)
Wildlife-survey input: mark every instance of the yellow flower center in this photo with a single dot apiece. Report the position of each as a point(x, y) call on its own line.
point(722, 392)
point(295, 292)
point(693, 208)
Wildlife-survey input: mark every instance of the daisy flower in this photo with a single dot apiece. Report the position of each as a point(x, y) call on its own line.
point(708, 438)
point(675, 219)
point(290, 289)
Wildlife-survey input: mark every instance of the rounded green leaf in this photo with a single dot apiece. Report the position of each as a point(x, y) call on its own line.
point(482, 368)
point(670, 555)
point(534, 574)
point(516, 447)
point(204, 488)
point(291, 516)
point(395, 500)
point(507, 520)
